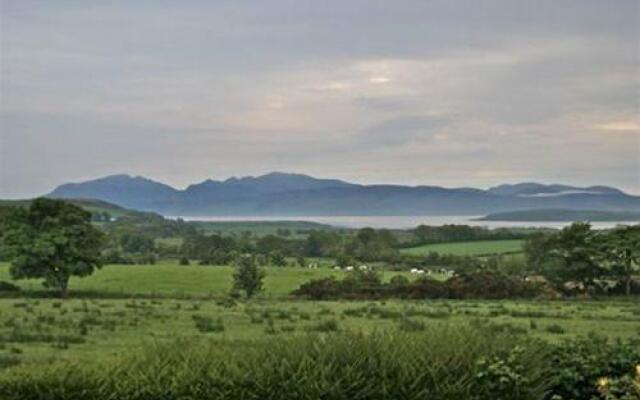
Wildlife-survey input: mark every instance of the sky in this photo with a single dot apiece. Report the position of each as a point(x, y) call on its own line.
point(450, 93)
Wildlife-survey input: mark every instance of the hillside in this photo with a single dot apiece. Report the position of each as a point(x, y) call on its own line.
point(563, 215)
point(282, 194)
point(93, 206)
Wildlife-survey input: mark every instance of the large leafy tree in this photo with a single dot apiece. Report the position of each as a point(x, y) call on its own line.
point(569, 255)
point(620, 254)
point(52, 240)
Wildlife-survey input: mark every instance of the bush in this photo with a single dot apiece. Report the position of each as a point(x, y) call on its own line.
point(555, 329)
point(320, 289)
point(580, 363)
point(439, 364)
point(8, 287)
point(489, 285)
point(421, 288)
point(367, 285)
point(207, 324)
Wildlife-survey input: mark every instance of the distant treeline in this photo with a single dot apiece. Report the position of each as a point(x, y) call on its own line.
point(425, 234)
point(144, 238)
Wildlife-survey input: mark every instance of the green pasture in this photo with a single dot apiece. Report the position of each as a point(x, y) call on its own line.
point(43, 330)
point(168, 279)
point(475, 248)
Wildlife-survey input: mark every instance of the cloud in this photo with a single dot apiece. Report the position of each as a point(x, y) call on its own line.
point(408, 91)
point(404, 130)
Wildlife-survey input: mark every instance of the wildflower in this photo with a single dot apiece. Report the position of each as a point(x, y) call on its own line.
point(603, 382)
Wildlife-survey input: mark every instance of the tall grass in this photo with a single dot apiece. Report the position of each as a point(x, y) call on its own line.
point(441, 362)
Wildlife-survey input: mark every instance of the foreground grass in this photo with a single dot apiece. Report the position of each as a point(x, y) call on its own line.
point(444, 362)
point(468, 248)
point(37, 330)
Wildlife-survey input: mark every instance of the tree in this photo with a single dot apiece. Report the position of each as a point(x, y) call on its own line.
point(53, 240)
point(247, 276)
point(278, 259)
point(570, 255)
point(620, 254)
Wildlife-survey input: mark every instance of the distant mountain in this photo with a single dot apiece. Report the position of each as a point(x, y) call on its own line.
point(564, 215)
point(124, 190)
point(284, 194)
point(274, 182)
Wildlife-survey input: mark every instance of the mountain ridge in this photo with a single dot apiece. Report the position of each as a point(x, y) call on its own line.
point(280, 193)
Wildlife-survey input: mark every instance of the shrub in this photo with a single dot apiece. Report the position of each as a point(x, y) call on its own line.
point(7, 360)
point(579, 364)
point(556, 329)
point(367, 285)
point(489, 285)
point(320, 289)
point(421, 288)
point(208, 324)
point(8, 287)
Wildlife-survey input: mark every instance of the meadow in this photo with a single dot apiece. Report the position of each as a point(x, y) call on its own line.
point(172, 331)
point(168, 279)
point(37, 330)
point(475, 248)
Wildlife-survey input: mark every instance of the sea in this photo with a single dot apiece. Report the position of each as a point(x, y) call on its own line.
point(404, 222)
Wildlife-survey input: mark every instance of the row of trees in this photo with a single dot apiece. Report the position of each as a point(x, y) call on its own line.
point(424, 234)
point(580, 254)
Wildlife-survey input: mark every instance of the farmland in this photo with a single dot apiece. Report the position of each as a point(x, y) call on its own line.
point(123, 306)
point(172, 280)
point(473, 248)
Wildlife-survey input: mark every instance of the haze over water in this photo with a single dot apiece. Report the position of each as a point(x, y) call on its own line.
point(405, 222)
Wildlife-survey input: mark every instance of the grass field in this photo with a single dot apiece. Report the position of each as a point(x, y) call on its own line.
point(49, 329)
point(468, 248)
point(170, 279)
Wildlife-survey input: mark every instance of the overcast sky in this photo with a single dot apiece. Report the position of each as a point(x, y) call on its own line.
point(451, 93)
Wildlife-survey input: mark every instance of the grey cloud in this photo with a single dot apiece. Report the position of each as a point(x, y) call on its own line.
point(182, 91)
point(402, 130)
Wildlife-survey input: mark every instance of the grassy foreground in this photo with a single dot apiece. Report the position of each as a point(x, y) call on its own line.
point(444, 362)
point(35, 330)
point(185, 340)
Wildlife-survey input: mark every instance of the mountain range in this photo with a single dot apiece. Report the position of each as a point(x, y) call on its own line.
point(285, 194)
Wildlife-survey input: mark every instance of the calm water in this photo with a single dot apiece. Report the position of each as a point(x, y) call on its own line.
point(405, 221)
